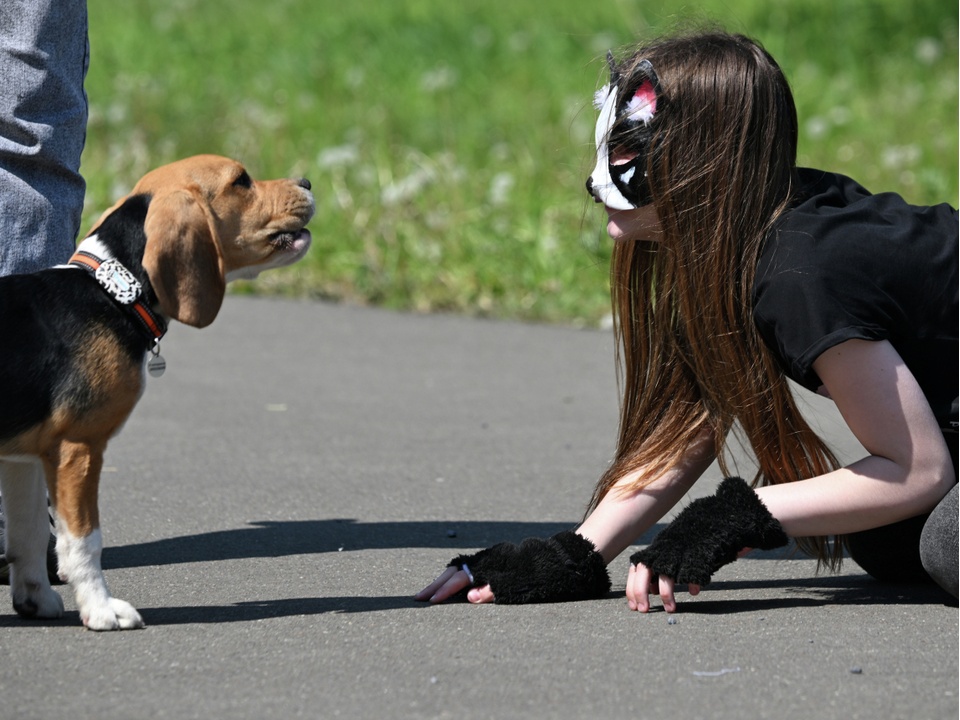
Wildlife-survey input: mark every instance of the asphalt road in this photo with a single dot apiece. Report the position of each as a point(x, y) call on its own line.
point(302, 469)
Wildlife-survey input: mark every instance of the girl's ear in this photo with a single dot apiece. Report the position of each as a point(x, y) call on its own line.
point(182, 259)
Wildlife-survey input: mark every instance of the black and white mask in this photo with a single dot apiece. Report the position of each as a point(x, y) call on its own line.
point(624, 126)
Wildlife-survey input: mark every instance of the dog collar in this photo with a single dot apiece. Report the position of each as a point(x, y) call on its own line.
point(120, 284)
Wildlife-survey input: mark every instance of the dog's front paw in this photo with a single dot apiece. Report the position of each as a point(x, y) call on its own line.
point(34, 601)
point(115, 614)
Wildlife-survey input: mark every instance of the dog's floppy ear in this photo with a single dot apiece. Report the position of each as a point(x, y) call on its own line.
point(182, 259)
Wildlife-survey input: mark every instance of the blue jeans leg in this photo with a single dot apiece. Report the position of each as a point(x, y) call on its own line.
point(44, 54)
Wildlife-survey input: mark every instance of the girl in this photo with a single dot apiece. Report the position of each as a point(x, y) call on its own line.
point(732, 271)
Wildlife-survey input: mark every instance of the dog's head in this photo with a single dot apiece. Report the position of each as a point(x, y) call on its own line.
point(208, 223)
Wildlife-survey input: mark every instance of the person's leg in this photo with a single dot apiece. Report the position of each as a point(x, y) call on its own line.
point(938, 543)
point(891, 553)
point(43, 116)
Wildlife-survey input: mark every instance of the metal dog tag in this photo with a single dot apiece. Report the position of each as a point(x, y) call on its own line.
point(156, 365)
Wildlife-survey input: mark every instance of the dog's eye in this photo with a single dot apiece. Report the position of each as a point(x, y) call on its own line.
point(243, 180)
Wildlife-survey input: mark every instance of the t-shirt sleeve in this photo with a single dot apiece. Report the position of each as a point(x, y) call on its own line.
point(807, 301)
point(843, 264)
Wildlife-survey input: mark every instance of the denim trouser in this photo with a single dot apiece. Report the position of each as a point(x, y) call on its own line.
point(44, 55)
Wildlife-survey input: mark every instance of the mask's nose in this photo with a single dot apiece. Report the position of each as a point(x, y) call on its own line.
point(590, 191)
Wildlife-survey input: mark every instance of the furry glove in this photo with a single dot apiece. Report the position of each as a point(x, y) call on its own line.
point(563, 567)
point(710, 533)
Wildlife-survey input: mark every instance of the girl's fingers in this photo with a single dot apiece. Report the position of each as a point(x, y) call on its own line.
point(666, 594)
point(480, 595)
point(642, 588)
point(631, 579)
point(430, 590)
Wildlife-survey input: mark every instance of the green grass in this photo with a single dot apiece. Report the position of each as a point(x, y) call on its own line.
point(448, 140)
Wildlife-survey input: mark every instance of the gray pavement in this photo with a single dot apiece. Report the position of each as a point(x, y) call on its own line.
point(303, 468)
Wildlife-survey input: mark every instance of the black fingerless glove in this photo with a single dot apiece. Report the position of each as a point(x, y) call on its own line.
point(539, 570)
point(710, 533)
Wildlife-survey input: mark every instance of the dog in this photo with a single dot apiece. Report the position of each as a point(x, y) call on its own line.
point(75, 340)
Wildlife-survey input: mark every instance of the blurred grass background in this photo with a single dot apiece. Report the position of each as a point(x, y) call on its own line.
point(448, 140)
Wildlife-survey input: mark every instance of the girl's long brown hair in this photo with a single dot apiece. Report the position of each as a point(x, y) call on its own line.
point(721, 170)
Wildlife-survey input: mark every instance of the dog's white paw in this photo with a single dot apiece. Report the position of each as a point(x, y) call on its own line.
point(33, 600)
point(115, 614)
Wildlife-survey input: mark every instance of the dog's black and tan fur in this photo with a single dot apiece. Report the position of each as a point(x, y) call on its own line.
point(72, 357)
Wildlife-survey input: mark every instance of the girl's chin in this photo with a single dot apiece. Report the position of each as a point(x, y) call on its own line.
point(638, 224)
point(616, 225)
point(615, 231)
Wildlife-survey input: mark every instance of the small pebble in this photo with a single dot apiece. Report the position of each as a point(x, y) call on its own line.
point(451, 533)
point(856, 670)
point(672, 621)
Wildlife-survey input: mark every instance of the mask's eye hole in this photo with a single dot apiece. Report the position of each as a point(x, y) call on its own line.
point(622, 156)
point(243, 180)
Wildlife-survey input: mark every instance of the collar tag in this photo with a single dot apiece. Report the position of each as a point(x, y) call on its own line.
point(156, 365)
point(118, 281)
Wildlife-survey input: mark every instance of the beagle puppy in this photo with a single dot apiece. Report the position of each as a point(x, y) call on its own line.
point(76, 339)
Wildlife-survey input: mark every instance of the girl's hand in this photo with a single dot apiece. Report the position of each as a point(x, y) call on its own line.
point(561, 568)
point(450, 582)
point(641, 583)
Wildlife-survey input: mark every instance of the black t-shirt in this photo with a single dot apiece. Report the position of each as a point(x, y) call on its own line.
point(844, 264)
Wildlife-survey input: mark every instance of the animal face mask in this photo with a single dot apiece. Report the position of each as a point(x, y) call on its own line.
point(623, 133)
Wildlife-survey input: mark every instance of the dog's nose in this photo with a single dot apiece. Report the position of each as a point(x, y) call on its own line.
point(304, 183)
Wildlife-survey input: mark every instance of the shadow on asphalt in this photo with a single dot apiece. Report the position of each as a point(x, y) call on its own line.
point(851, 590)
point(817, 591)
point(277, 539)
point(268, 539)
point(238, 612)
point(280, 539)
